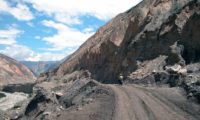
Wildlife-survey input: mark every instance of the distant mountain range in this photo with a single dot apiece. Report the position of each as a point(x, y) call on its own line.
point(13, 72)
point(40, 66)
point(137, 66)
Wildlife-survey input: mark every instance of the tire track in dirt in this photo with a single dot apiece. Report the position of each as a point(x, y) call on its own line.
point(183, 107)
point(134, 103)
point(140, 109)
point(160, 109)
point(126, 113)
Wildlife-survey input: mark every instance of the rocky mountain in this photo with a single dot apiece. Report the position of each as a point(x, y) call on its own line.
point(16, 82)
point(151, 51)
point(154, 43)
point(13, 72)
point(148, 38)
point(40, 66)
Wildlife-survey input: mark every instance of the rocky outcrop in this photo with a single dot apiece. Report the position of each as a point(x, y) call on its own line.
point(66, 102)
point(13, 72)
point(154, 43)
point(164, 31)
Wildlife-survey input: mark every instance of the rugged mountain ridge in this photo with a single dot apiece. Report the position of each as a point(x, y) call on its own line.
point(143, 40)
point(155, 43)
point(40, 66)
point(13, 72)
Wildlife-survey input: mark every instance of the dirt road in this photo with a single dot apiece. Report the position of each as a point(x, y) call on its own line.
point(139, 103)
point(127, 102)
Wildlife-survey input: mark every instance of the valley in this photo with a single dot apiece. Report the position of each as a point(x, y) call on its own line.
point(144, 64)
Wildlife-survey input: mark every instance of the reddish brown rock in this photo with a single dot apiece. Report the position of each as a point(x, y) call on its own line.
point(13, 72)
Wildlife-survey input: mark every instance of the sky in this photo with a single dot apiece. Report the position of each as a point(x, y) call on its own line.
point(50, 30)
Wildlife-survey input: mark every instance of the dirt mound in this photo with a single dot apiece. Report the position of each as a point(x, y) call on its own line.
point(84, 99)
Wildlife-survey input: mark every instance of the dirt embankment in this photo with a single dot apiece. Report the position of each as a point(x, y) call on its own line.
point(89, 100)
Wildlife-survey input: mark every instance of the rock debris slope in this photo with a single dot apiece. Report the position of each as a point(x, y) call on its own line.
point(145, 39)
point(87, 100)
point(152, 49)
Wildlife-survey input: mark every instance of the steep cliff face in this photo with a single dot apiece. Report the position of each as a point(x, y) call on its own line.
point(145, 39)
point(155, 43)
point(13, 72)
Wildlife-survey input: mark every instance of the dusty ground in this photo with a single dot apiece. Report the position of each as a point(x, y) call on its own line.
point(133, 102)
point(101, 108)
point(116, 102)
point(139, 103)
